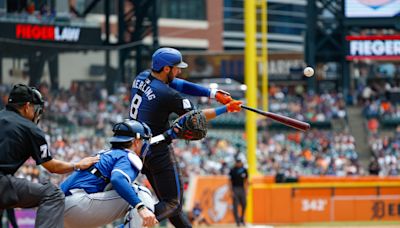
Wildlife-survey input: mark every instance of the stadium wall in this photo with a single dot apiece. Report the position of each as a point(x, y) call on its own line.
point(312, 199)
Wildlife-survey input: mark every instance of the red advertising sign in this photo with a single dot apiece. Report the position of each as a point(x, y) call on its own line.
point(47, 32)
point(51, 33)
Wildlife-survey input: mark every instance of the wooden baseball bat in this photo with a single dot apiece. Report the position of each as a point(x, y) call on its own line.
point(290, 122)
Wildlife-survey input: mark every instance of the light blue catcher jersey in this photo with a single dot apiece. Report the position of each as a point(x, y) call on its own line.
point(113, 160)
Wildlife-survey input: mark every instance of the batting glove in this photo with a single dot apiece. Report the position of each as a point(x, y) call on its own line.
point(172, 133)
point(234, 106)
point(221, 96)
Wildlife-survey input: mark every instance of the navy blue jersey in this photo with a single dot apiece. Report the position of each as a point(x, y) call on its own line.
point(152, 101)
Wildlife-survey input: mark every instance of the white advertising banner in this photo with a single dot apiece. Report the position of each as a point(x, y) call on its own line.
point(372, 8)
point(385, 47)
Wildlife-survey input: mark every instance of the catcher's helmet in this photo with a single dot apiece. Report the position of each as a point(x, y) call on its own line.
point(167, 57)
point(130, 129)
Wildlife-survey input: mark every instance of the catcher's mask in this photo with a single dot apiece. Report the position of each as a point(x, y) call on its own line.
point(132, 129)
point(21, 93)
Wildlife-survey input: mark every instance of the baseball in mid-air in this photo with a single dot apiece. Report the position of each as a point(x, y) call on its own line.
point(308, 71)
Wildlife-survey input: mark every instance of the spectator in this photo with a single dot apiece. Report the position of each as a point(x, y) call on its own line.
point(197, 215)
point(373, 125)
point(373, 166)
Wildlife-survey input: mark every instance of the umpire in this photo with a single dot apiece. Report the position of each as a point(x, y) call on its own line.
point(238, 177)
point(20, 138)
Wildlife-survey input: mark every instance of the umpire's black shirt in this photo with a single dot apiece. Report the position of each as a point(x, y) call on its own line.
point(238, 176)
point(20, 139)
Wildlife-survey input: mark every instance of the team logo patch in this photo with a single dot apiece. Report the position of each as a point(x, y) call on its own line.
point(186, 103)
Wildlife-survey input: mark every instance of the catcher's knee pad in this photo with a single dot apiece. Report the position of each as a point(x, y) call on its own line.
point(132, 217)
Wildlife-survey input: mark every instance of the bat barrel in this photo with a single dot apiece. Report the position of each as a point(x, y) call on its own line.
point(290, 122)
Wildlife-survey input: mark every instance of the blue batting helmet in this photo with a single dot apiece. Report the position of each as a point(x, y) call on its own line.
point(167, 57)
point(129, 130)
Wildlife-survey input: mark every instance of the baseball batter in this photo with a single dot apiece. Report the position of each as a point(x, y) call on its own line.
point(154, 96)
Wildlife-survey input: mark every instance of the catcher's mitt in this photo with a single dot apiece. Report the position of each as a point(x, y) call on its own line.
point(191, 126)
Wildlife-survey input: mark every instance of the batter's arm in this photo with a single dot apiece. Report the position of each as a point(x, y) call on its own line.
point(194, 89)
point(189, 88)
point(233, 106)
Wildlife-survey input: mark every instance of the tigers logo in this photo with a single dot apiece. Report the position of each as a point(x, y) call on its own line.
point(376, 4)
point(220, 204)
point(214, 196)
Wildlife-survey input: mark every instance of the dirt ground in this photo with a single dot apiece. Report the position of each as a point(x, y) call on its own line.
point(372, 225)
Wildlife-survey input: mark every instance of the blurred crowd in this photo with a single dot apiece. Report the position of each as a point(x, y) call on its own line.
point(317, 152)
point(294, 102)
point(381, 109)
point(79, 120)
point(380, 102)
point(385, 153)
point(305, 106)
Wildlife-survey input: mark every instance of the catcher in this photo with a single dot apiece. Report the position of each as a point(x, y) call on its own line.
point(103, 193)
point(107, 188)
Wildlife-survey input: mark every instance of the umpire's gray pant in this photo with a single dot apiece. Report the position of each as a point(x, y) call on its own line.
point(93, 210)
point(239, 198)
point(21, 193)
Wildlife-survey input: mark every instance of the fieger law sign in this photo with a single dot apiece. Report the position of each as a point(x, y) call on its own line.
point(50, 33)
point(374, 47)
point(47, 32)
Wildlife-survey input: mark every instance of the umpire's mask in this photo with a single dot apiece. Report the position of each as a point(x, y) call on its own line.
point(38, 103)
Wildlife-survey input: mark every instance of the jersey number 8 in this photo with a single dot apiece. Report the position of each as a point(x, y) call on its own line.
point(136, 100)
